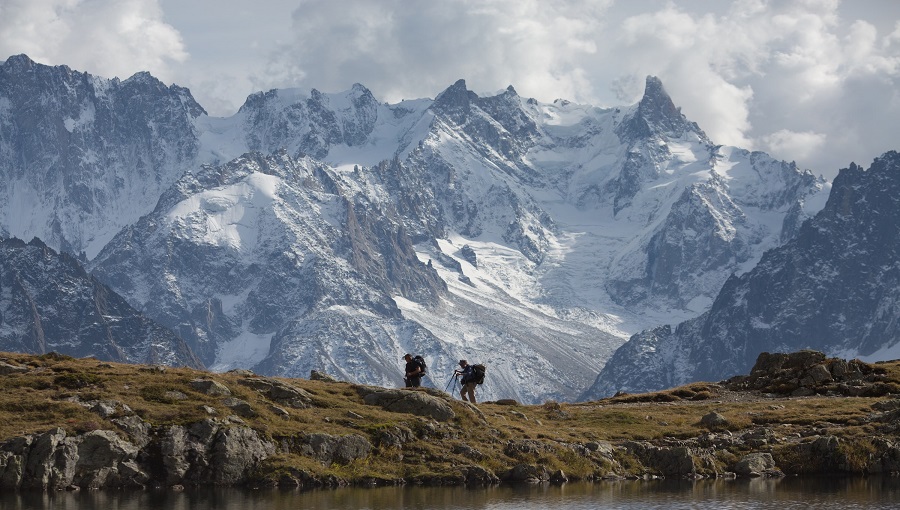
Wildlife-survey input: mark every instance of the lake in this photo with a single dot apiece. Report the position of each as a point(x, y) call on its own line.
point(785, 494)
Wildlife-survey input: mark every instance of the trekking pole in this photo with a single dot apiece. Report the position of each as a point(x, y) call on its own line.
point(452, 377)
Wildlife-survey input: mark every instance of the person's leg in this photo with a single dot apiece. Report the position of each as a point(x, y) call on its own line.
point(470, 390)
point(462, 392)
point(416, 382)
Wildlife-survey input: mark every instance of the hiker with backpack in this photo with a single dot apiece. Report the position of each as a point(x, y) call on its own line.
point(415, 370)
point(472, 375)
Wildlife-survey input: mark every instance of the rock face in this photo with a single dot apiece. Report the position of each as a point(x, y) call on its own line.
point(831, 288)
point(90, 154)
point(49, 303)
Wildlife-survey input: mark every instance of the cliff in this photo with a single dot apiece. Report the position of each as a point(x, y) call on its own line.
point(69, 423)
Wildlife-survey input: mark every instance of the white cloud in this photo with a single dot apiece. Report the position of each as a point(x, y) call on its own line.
point(801, 145)
point(107, 37)
point(817, 76)
point(417, 48)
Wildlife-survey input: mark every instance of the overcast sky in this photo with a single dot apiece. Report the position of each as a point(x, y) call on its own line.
point(815, 81)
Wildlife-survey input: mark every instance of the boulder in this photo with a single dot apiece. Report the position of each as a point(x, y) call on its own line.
point(526, 473)
point(757, 464)
point(210, 387)
point(413, 402)
point(101, 454)
point(315, 375)
point(477, 475)
point(6, 369)
point(240, 407)
point(336, 449)
point(714, 421)
point(280, 392)
point(235, 451)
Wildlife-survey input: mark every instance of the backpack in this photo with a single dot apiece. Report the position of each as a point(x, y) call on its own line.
point(420, 361)
point(478, 373)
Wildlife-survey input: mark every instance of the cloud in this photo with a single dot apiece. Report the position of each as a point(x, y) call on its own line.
point(776, 76)
point(417, 48)
point(107, 37)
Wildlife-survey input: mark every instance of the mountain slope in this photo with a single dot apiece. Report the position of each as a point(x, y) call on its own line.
point(832, 288)
point(81, 156)
point(49, 303)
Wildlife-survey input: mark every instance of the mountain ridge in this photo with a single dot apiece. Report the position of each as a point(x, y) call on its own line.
point(585, 224)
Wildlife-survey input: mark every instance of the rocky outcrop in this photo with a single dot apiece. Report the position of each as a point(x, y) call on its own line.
point(757, 464)
point(418, 403)
point(280, 392)
point(807, 372)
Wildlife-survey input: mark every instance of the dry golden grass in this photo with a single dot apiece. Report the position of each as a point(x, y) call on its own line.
point(42, 399)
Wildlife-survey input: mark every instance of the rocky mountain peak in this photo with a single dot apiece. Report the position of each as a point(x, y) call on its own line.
point(832, 288)
point(17, 62)
point(455, 101)
point(656, 114)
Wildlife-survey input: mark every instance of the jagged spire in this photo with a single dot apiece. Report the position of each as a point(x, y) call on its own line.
point(455, 101)
point(656, 113)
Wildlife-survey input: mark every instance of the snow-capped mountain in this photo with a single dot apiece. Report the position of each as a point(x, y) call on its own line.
point(334, 232)
point(833, 287)
point(81, 157)
point(49, 303)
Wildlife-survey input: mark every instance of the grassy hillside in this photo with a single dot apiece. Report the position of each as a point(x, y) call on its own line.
point(584, 440)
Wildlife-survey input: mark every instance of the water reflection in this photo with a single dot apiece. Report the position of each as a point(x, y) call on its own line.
point(784, 494)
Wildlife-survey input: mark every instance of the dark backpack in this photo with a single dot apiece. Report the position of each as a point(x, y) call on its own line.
point(478, 374)
point(421, 362)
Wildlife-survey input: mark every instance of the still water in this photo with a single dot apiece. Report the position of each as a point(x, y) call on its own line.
point(789, 493)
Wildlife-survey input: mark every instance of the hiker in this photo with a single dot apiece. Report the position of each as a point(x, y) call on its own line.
point(415, 369)
point(468, 381)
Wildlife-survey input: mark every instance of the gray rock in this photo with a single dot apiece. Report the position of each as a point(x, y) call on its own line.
point(315, 375)
point(6, 369)
point(241, 407)
point(210, 387)
point(235, 451)
point(136, 428)
point(414, 402)
point(714, 421)
point(100, 454)
point(280, 392)
point(679, 461)
point(756, 464)
point(477, 475)
point(526, 473)
point(331, 449)
point(558, 476)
